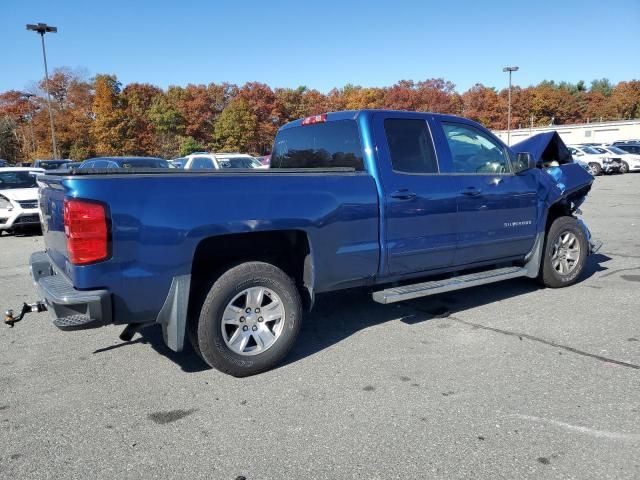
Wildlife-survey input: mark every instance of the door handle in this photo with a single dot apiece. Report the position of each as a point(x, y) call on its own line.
point(471, 191)
point(403, 194)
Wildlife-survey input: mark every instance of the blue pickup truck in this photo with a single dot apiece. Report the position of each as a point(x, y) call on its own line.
point(404, 204)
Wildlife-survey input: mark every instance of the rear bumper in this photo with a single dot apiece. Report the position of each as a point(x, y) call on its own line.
point(72, 309)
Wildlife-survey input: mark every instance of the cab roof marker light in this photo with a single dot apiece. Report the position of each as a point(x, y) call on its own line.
point(314, 119)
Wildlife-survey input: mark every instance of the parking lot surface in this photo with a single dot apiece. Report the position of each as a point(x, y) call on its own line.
point(503, 381)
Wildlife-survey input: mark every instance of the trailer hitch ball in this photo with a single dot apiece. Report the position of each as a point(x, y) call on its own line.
point(10, 320)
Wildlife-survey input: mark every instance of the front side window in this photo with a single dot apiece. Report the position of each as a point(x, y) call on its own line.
point(473, 151)
point(410, 146)
point(320, 145)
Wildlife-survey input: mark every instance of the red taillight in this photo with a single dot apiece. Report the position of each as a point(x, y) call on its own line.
point(85, 225)
point(314, 119)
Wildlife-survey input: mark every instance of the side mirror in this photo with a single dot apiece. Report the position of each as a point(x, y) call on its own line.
point(524, 161)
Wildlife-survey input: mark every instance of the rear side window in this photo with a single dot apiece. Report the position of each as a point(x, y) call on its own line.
point(410, 146)
point(320, 145)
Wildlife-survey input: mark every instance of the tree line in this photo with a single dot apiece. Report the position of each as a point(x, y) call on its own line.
point(99, 116)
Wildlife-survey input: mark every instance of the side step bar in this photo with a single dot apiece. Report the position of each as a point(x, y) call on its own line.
point(408, 292)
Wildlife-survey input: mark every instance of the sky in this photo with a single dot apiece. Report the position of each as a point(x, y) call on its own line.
point(323, 44)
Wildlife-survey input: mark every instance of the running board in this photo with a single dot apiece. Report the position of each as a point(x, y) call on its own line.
point(408, 292)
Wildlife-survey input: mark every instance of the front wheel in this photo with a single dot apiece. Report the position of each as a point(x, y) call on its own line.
point(595, 169)
point(249, 320)
point(624, 168)
point(565, 253)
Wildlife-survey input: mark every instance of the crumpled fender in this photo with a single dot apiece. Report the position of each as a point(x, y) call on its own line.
point(567, 185)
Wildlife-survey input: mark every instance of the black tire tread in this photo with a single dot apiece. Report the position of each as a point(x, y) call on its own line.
point(235, 279)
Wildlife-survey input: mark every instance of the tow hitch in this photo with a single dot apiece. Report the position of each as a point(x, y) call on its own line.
point(37, 307)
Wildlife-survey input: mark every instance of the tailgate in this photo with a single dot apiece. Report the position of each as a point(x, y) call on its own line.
point(51, 195)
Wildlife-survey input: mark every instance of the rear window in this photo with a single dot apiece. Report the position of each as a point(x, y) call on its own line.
point(321, 145)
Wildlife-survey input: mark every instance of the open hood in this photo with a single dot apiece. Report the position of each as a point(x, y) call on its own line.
point(545, 147)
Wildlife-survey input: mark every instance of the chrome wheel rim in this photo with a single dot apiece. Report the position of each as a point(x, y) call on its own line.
point(253, 321)
point(566, 253)
point(593, 170)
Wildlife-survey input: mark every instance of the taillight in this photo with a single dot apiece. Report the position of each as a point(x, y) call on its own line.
point(85, 225)
point(314, 119)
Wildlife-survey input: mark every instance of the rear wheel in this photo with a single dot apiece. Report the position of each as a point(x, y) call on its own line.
point(249, 320)
point(595, 169)
point(565, 253)
point(624, 168)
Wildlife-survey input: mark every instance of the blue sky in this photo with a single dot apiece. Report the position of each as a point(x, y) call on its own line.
point(325, 43)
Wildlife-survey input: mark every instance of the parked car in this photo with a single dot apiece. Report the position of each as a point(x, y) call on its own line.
point(18, 198)
point(220, 160)
point(629, 161)
point(50, 164)
point(597, 162)
point(70, 165)
point(238, 160)
point(629, 147)
point(234, 270)
point(265, 159)
point(125, 162)
point(178, 162)
point(3, 163)
point(624, 142)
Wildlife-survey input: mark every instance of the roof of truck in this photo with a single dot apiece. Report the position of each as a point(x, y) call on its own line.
point(354, 114)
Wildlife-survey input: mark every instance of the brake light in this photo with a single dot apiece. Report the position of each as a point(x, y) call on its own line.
point(314, 119)
point(85, 226)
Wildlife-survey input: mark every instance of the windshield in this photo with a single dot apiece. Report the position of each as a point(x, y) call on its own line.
point(9, 180)
point(239, 162)
point(51, 165)
point(589, 150)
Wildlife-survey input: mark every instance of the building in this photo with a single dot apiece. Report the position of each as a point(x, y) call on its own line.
point(600, 132)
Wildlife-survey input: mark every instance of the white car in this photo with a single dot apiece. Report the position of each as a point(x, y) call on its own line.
point(597, 162)
point(18, 197)
point(630, 161)
point(220, 160)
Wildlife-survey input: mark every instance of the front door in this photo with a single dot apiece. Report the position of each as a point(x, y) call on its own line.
point(497, 209)
point(419, 202)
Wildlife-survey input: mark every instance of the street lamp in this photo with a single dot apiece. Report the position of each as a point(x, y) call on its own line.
point(41, 29)
point(28, 96)
point(509, 69)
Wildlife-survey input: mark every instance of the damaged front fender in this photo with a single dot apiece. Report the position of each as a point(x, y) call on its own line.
point(562, 190)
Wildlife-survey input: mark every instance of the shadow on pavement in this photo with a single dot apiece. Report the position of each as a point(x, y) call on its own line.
point(339, 315)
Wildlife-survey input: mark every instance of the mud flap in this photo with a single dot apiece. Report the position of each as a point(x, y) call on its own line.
point(173, 315)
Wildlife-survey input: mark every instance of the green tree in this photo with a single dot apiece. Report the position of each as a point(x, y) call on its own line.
point(236, 129)
point(189, 145)
point(9, 144)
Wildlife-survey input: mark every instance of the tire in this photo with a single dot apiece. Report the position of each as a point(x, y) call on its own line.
point(555, 260)
point(595, 169)
point(624, 168)
point(230, 295)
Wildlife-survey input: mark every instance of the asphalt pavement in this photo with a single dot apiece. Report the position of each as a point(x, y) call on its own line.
point(502, 381)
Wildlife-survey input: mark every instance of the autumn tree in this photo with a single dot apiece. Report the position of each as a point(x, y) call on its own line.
point(109, 126)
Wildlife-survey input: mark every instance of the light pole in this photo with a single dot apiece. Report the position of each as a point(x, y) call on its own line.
point(510, 70)
point(28, 96)
point(41, 29)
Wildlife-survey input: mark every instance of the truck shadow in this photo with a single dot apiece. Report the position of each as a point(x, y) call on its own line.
point(339, 315)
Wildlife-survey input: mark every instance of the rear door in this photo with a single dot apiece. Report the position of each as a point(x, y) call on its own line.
point(497, 209)
point(419, 200)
